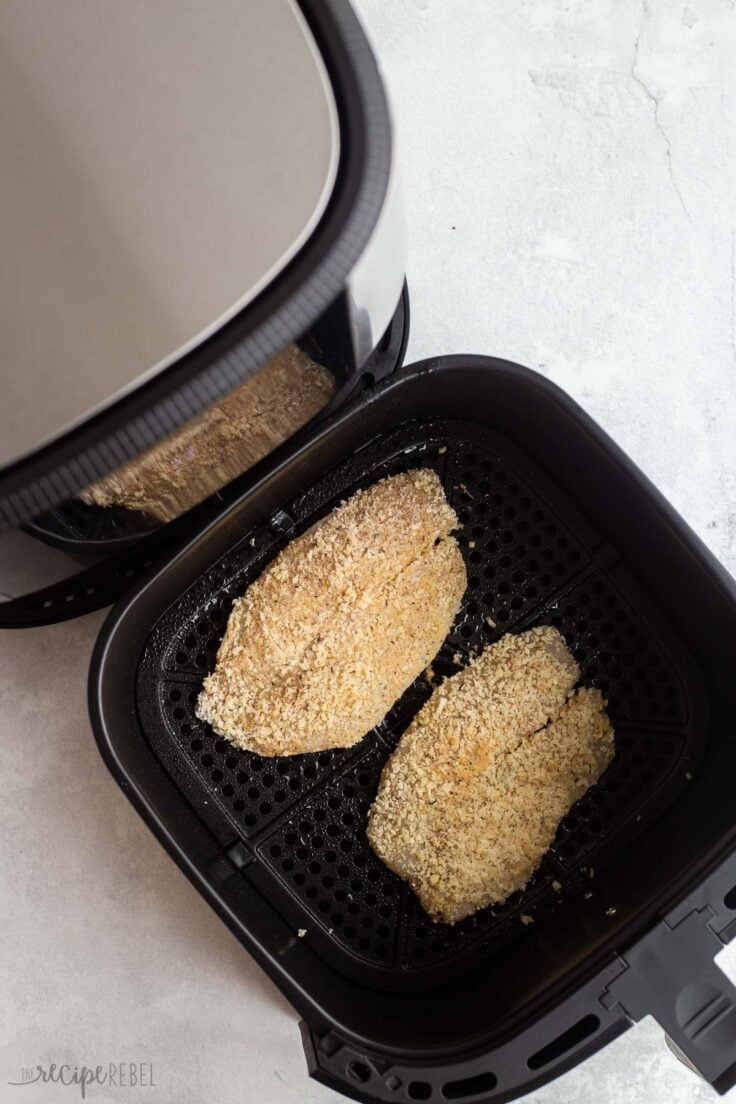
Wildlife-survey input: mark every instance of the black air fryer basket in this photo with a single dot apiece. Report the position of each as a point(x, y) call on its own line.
point(639, 890)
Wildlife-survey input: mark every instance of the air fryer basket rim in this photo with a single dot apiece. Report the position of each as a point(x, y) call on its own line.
point(103, 723)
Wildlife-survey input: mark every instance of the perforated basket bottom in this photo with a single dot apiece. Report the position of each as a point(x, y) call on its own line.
point(299, 823)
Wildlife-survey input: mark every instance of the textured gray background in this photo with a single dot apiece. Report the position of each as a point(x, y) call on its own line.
point(569, 173)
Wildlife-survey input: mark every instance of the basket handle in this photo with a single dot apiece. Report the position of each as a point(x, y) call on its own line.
point(671, 975)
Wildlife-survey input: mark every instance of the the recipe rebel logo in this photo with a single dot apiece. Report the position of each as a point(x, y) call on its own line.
point(123, 1075)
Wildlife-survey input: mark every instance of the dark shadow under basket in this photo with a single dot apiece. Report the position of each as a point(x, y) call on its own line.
point(557, 528)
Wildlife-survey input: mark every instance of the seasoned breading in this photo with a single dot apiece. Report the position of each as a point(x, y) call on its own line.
point(471, 799)
point(221, 442)
point(344, 619)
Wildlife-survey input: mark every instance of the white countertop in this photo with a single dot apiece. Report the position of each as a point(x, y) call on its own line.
point(569, 171)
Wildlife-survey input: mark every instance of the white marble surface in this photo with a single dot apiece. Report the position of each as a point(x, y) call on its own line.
point(569, 173)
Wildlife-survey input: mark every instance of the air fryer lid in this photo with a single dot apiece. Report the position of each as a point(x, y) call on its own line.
point(176, 206)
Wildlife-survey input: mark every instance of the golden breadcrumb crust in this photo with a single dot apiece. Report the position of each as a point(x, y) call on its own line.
point(322, 644)
point(470, 800)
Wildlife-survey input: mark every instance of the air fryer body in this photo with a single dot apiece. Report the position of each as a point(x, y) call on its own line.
point(185, 191)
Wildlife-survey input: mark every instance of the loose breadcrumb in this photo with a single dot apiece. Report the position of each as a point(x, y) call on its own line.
point(344, 619)
point(221, 442)
point(470, 801)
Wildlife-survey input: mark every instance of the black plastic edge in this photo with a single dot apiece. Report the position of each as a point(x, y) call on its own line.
point(583, 987)
point(670, 974)
point(79, 546)
point(94, 587)
point(332, 1062)
point(284, 311)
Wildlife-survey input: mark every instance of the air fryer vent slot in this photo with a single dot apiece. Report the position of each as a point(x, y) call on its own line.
point(469, 1086)
point(573, 1037)
point(531, 559)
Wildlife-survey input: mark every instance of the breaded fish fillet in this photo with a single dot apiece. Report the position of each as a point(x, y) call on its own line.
point(471, 798)
point(220, 443)
point(322, 644)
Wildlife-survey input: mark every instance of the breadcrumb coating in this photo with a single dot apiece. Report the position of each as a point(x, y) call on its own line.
point(323, 643)
point(470, 800)
point(220, 443)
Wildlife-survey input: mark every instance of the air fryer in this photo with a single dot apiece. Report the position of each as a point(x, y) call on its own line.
point(171, 235)
point(638, 892)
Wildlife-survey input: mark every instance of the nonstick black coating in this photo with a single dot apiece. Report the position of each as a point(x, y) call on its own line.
point(531, 559)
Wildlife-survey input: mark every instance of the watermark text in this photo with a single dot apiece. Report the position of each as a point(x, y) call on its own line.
point(123, 1075)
